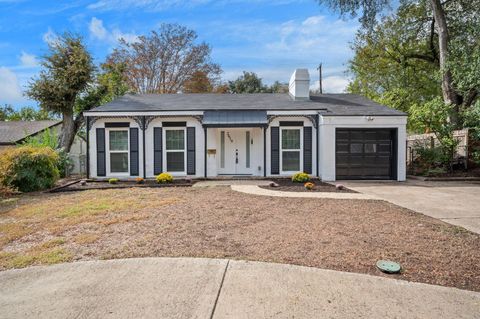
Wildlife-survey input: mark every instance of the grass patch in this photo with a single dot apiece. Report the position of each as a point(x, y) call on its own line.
point(13, 231)
point(9, 201)
point(58, 213)
point(84, 239)
point(46, 253)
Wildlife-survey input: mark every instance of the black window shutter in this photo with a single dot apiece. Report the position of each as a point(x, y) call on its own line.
point(101, 169)
point(157, 150)
point(275, 150)
point(307, 149)
point(190, 150)
point(134, 151)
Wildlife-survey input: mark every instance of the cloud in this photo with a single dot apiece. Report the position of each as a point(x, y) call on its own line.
point(314, 35)
point(97, 30)
point(10, 91)
point(100, 32)
point(49, 36)
point(162, 5)
point(28, 60)
point(152, 5)
point(332, 84)
point(274, 50)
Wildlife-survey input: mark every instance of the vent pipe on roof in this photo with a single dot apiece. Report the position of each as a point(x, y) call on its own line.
point(299, 86)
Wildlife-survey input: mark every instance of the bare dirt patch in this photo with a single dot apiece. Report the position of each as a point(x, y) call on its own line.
point(104, 184)
point(347, 235)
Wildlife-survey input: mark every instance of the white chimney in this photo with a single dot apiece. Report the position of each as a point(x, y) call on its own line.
point(299, 86)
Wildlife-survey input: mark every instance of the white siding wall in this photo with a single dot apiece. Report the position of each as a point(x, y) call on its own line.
point(327, 139)
point(306, 122)
point(326, 135)
point(100, 123)
point(212, 144)
point(199, 143)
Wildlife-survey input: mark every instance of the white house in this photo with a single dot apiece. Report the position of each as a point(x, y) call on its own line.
point(332, 136)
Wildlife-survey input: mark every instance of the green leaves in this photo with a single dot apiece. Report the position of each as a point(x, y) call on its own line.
point(67, 71)
point(249, 82)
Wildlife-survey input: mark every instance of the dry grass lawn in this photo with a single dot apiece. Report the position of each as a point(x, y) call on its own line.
point(348, 235)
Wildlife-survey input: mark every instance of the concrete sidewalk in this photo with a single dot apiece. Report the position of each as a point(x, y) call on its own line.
point(213, 288)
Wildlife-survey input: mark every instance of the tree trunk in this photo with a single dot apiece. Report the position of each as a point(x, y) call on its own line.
point(450, 96)
point(68, 131)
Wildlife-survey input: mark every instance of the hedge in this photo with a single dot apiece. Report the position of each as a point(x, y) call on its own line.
point(29, 168)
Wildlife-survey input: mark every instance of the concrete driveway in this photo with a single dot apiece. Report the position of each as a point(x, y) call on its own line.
point(218, 288)
point(457, 203)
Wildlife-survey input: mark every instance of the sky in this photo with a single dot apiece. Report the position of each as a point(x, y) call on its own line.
point(269, 37)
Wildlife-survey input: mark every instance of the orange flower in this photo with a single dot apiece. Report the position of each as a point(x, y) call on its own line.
point(309, 185)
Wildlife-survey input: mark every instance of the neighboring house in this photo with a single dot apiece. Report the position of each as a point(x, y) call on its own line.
point(333, 136)
point(16, 132)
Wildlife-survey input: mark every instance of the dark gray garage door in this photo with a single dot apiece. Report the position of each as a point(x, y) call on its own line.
point(366, 153)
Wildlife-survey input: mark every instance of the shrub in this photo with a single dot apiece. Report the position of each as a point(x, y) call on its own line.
point(309, 185)
point(50, 138)
point(29, 168)
point(113, 180)
point(65, 163)
point(475, 157)
point(139, 180)
point(164, 178)
point(428, 158)
point(300, 177)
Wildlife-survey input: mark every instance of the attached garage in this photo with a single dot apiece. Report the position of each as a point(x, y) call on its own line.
point(366, 153)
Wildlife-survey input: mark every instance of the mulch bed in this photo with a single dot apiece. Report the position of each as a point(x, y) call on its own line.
point(100, 184)
point(346, 235)
point(286, 185)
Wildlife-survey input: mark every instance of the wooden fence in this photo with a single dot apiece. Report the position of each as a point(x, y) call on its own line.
point(429, 140)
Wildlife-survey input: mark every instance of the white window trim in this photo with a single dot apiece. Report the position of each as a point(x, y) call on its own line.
point(282, 128)
point(184, 129)
point(107, 144)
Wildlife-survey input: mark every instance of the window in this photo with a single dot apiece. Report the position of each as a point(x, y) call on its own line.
point(175, 150)
point(118, 149)
point(356, 148)
point(370, 148)
point(291, 150)
point(222, 149)
point(247, 146)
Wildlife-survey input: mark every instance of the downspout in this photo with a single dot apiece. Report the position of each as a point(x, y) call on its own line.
point(205, 152)
point(317, 120)
point(264, 151)
point(88, 146)
point(143, 147)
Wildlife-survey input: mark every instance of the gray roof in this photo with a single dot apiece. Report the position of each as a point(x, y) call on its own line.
point(235, 118)
point(330, 104)
point(12, 132)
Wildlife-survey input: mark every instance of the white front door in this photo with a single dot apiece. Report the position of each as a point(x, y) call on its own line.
point(235, 151)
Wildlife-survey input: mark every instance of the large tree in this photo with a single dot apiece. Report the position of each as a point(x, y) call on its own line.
point(395, 63)
point(164, 60)
point(248, 82)
point(26, 113)
point(67, 71)
point(109, 84)
point(439, 28)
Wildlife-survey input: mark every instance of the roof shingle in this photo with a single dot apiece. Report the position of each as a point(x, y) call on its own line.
point(329, 104)
point(12, 132)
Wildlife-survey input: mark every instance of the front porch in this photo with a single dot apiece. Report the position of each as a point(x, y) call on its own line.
point(235, 152)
